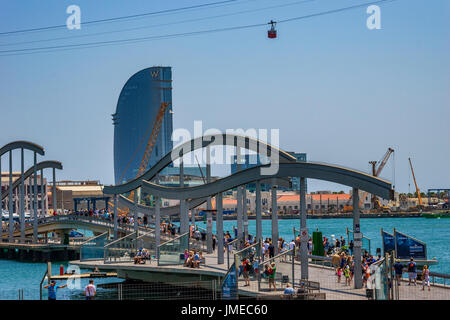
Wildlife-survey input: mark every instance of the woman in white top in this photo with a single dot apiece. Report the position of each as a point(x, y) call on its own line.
point(425, 277)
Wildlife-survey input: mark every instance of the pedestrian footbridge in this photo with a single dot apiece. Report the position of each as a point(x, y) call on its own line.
point(65, 223)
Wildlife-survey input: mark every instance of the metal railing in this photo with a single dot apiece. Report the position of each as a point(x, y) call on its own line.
point(252, 253)
point(439, 279)
point(93, 249)
point(172, 252)
point(231, 246)
point(121, 250)
point(229, 285)
point(366, 242)
point(282, 273)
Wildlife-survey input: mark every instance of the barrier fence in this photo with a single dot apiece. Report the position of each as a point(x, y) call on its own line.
point(121, 250)
point(93, 249)
point(172, 251)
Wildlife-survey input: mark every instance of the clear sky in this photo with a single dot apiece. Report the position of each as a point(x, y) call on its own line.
point(336, 90)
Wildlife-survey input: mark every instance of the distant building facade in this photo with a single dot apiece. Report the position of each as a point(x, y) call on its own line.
point(42, 206)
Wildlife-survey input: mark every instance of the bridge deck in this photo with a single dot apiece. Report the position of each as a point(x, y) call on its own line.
point(324, 275)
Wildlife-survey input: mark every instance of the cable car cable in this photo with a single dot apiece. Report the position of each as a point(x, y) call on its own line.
point(158, 25)
point(118, 18)
point(176, 35)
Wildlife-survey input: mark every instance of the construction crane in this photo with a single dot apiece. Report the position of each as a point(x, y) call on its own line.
point(417, 188)
point(148, 149)
point(376, 170)
point(151, 143)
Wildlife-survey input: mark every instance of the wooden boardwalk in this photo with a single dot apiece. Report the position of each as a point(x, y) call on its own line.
point(90, 275)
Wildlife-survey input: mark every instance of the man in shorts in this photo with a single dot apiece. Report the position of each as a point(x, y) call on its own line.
point(412, 271)
point(245, 271)
point(52, 288)
point(272, 271)
point(398, 267)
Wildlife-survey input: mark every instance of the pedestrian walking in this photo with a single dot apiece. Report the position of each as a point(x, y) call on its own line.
point(412, 271)
point(425, 277)
point(90, 291)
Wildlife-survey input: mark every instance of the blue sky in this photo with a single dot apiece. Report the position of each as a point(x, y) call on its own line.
point(336, 90)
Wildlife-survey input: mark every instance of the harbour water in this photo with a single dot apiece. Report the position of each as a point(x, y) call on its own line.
point(16, 275)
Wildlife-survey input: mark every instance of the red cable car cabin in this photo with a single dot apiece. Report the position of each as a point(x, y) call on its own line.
point(272, 33)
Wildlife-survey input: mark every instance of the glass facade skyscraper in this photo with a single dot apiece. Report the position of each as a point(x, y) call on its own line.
point(137, 109)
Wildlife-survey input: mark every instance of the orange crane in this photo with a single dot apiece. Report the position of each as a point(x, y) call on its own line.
point(151, 142)
point(417, 188)
point(376, 172)
point(148, 149)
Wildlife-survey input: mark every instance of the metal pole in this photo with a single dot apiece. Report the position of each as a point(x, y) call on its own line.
point(303, 231)
point(136, 225)
point(30, 196)
point(184, 219)
point(10, 200)
point(245, 210)
point(193, 218)
point(274, 219)
point(208, 206)
point(43, 214)
point(239, 213)
point(116, 217)
point(219, 228)
point(157, 224)
point(54, 190)
point(357, 237)
point(293, 266)
point(35, 221)
point(209, 232)
point(22, 202)
point(258, 211)
point(239, 197)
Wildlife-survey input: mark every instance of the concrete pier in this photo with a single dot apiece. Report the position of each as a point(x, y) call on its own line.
point(39, 253)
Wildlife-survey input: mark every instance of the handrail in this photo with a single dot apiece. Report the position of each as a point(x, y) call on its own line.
point(246, 248)
point(226, 275)
point(144, 235)
point(232, 242)
point(40, 285)
point(94, 238)
point(113, 242)
point(319, 257)
point(181, 235)
point(276, 257)
point(440, 275)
